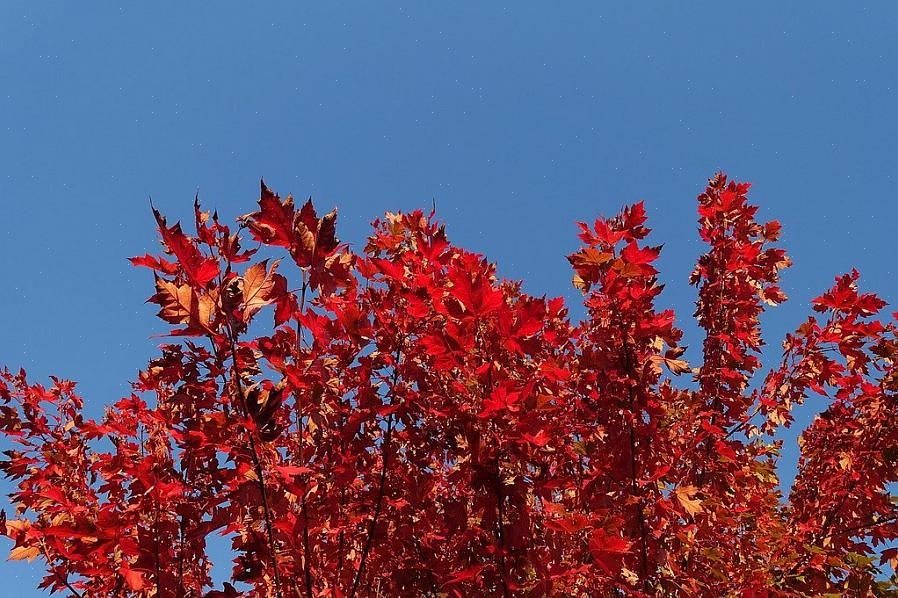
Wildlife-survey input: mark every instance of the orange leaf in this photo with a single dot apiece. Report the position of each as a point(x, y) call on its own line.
point(261, 287)
point(133, 578)
point(20, 553)
point(686, 496)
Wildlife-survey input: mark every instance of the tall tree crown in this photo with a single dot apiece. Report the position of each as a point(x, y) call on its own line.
point(402, 422)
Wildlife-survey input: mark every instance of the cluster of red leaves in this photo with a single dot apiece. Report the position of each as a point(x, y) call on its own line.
point(412, 425)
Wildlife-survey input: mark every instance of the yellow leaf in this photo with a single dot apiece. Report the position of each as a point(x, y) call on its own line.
point(676, 366)
point(590, 256)
point(205, 310)
point(176, 301)
point(258, 284)
point(845, 461)
point(20, 553)
point(631, 577)
point(17, 525)
point(627, 269)
point(306, 237)
point(686, 496)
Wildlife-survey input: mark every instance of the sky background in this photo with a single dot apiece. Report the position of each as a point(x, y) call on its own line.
point(517, 119)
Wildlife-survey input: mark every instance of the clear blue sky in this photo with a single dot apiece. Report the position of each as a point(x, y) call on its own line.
point(518, 118)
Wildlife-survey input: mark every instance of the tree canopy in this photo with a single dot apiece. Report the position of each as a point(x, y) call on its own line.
point(402, 422)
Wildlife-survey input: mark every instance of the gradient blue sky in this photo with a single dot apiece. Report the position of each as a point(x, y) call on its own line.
point(518, 118)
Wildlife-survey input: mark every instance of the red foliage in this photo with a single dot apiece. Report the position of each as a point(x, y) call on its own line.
point(412, 425)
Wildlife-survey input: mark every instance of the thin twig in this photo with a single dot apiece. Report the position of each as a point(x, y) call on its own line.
point(307, 561)
point(257, 464)
point(634, 470)
point(385, 458)
point(500, 500)
point(62, 579)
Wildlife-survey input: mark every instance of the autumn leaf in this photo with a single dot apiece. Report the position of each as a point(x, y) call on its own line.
point(134, 579)
point(590, 257)
point(291, 471)
point(262, 402)
point(180, 305)
point(261, 287)
point(272, 224)
point(24, 553)
point(326, 238)
point(312, 241)
point(570, 524)
point(177, 301)
point(198, 268)
point(686, 497)
point(608, 549)
point(539, 439)
point(633, 254)
point(671, 361)
point(464, 575)
point(155, 263)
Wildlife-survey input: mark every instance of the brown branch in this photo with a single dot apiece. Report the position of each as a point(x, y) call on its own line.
point(429, 570)
point(716, 404)
point(307, 561)
point(500, 524)
point(62, 579)
point(500, 500)
point(257, 464)
point(156, 542)
point(634, 470)
point(867, 526)
point(385, 463)
point(181, 523)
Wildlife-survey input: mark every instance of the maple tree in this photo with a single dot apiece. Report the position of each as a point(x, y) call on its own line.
point(401, 422)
